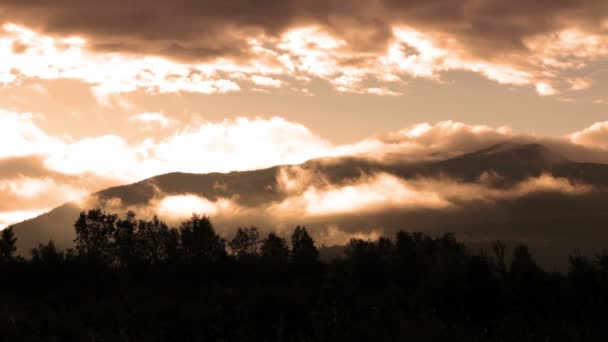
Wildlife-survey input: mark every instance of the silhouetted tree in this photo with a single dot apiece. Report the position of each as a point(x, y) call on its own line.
point(523, 264)
point(47, 254)
point(154, 241)
point(359, 250)
point(303, 250)
point(245, 243)
point(172, 245)
point(584, 275)
point(274, 249)
point(95, 235)
point(124, 237)
point(449, 248)
point(602, 261)
point(8, 245)
point(525, 277)
point(200, 241)
point(418, 288)
point(405, 246)
point(499, 249)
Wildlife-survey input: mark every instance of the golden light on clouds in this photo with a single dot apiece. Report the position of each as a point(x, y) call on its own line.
point(298, 56)
point(235, 145)
point(101, 101)
point(378, 192)
point(310, 195)
point(594, 136)
point(27, 54)
point(183, 206)
point(8, 218)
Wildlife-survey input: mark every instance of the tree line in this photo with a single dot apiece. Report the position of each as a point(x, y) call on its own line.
point(135, 279)
point(105, 239)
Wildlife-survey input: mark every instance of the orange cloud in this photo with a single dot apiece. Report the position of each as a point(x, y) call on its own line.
point(299, 55)
point(594, 136)
point(149, 119)
point(231, 145)
point(12, 217)
point(382, 191)
point(183, 206)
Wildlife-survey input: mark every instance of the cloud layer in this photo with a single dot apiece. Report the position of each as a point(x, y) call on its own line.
point(368, 47)
point(41, 171)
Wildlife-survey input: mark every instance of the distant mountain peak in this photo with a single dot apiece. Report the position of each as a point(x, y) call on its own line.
point(534, 153)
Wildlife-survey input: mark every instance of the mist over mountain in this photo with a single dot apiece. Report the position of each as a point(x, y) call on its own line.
point(523, 192)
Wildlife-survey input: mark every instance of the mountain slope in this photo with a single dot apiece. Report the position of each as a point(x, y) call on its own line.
point(507, 217)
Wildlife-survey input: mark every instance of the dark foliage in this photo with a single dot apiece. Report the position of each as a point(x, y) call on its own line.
point(245, 243)
point(199, 240)
point(303, 249)
point(274, 250)
point(130, 279)
point(8, 245)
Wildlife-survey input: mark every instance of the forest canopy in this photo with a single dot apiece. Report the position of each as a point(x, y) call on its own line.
point(130, 278)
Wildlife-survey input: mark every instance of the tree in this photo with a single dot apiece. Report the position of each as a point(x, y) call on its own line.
point(172, 245)
point(8, 244)
point(199, 240)
point(153, 241)
point(499, 248)
point(405, 246)
point(95, 231)
point(47, 254)
point(359, 250)
point(523, 264)
point(245, 242)
point(124, 238)
point(303, 250)
point(274, 249)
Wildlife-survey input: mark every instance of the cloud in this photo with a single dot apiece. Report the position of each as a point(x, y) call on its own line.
point(266, 81)
point(594, 136)
point(311, 194)
point(517, 43)
point(183, 206)
point(49, 58)
point(150, 119)
point(8, 218)
point(428, 141)
point(41, 170)
point(333, 235)
point(19, 131)
point(210, 147)
point(371, 48)
point(377, 192)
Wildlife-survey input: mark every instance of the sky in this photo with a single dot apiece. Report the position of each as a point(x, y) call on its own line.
point(98, 93)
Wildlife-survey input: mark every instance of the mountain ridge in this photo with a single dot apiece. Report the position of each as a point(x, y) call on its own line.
point(256, 188)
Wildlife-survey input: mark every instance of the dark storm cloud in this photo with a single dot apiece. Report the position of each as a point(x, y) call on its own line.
point(207, 29)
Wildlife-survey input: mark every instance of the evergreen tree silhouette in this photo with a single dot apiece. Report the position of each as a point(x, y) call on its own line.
point(124, 238)
point(47, 255)
point(303, 249)
point(8, 245)
point(199, 240)
point(523, 264)
point(274, 249)
point(244, 245)
point(499, 248)
point(418, 288)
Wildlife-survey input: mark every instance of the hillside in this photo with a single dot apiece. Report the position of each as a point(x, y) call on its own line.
point(537, 216)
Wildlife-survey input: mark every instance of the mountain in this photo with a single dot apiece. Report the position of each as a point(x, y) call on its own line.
point(514, 211)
